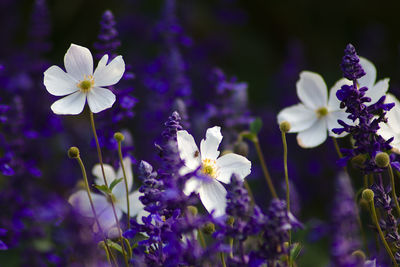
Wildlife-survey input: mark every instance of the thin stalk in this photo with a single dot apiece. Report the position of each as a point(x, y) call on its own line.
point(83, 170)
point(221, 255)
point(264, 168)
point(231, 245)
point(285, 152)
point(201, 237)
point(375, 220)
point(126, 182)
point(394, 196)
point(105, 182)
point(337, 147)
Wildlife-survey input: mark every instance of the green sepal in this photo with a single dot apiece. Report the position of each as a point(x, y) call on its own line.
point(114, 183)
point(295, 251)
point(103, 188)
point(114, 245)
point(255, 126)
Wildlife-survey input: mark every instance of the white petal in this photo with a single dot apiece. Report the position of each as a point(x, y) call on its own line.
point(58, 82)
point(370, 73)
point(135, 205)
point(299, 116)
point(313, 136)
point(119, 190)
point(78, 62)
point(192, 185)
point(209, 145)
point(100, 99)
point(393, 115)
point(213, 196)
point(70, 105)
point(332, 123)
point(107, 218)
point(378, 90)
point(106, 75)
point(188, 150)
point(334, 102)
point(108, 171)
point(312, 90)
point(232, 163)
point(80, 201)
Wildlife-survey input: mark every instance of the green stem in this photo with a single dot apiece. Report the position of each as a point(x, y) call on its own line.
point(285, 152)
point(264, 168)
point(201, 237)
point(105, 182)
point(375, 220)
point(126, 182)
point(222, 259)
point(394, 196)
point(83, 170)
point(231, 245)
point(337, 147)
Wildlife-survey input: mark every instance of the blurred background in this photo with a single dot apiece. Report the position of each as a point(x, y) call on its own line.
point(180, 54)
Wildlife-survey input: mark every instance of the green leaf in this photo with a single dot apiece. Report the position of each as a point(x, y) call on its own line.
point(256, 126)
point(114, 245)
point(248, 135)
point(115, 182)
point(295, 251)
point(103, 188)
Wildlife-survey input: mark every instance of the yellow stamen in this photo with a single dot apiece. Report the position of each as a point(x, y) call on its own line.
point(321, 112)
point(86, 84)
point(209, 168)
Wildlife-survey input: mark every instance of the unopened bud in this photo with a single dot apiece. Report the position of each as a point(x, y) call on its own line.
point(208, 228)
point(193, 210)
point(382, 160)
point(284, 126)
point(368, 195)
point(241, 148)
point(358, 161)
point(73, 152)
point(359, 255)
point(230, 221)
point(119, 136)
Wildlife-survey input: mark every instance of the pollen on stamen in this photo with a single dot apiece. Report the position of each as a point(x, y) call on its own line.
point(86, 84)
point(209, 168)
point(321, 112)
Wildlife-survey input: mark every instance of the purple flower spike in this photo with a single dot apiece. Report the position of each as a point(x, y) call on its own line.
point(351, 67)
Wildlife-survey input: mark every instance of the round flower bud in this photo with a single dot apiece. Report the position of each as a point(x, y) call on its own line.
point(358, 161)
point(73, 152)
point(241, 148)
point(230, 221)
point(284, 126)
point(359, 255)
point(101, 244)
point(368, 195)
point(193, 210)
point(119, 137)
point(208, 228)
point(382, 160)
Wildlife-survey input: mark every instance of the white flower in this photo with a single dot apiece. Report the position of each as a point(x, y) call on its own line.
point(212, 193)
point(316, 114)
point(79, 82)
point(80, 200)
point(392, 127)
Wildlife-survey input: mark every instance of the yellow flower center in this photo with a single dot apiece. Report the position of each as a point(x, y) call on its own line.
point(86, 84)
point(321, 112)
point(209, 168)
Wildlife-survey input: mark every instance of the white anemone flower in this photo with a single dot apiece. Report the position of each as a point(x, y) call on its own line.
point(392, 127)
point(102, 205)
point(317, 114)
point(212, 193)
point(79, 82)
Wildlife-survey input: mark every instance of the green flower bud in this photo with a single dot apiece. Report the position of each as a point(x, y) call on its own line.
point(382, 160)
point(358, 161)
point(193, 210)
point(284, 126)
point(359, 255)
point(241, 148)
point(119, 136)
point(73, 152)
point(101, 244)
point(230, 221)
point(208, 228)
point(368, 195)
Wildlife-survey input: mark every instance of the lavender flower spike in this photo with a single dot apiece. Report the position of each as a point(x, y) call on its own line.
point(351, 66)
